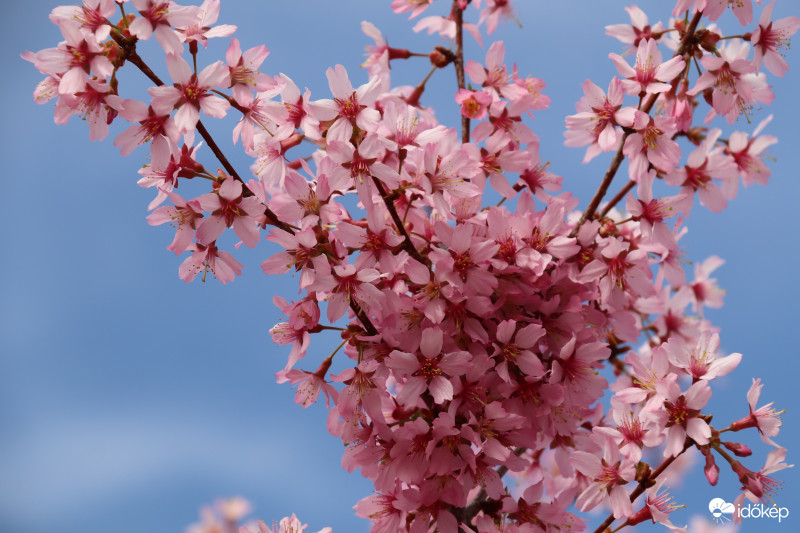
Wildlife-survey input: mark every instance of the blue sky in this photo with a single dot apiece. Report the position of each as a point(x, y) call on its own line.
point(129, 399)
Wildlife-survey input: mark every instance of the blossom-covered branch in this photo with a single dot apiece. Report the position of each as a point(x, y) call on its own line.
point(477, 337)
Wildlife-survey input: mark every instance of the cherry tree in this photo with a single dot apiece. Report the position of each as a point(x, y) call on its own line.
point(491, 324)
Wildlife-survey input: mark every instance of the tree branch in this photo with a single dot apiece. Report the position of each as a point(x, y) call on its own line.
point(618, 197)
point(401, 228)
point(131, 55)
point(618, 157)
point(646, 483)
point(458, 15)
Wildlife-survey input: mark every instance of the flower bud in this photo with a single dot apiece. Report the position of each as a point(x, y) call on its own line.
point(708, 40)
point(441, 57)
point(739, 449)
point(398, 53)
point(711, 470)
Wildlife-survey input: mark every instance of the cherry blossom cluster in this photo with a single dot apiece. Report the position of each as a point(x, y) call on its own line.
point(225, 515)
point(477, 340)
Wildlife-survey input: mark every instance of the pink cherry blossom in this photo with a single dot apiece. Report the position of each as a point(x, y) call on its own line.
point(298, 252)
point(379, 54)
point(748, 153)
point(230, 208)
point(349, 108)
point(652, 144)
point(94, 102)
point(72, 61)
point(92, 15)
point(639, 29)
point(494, 11)
point(309, 384)
point(649, 75)
point(244, 71)
point(651, 212)
point(658, 506)
point(705, 164)
point(606, 474)
point(681, 419)
point(168, 164)
point(494, 77)
point(760, 486)
point(430, 371)
point(771, 37)
point(207, 259)
point(765, 418)
point(725, 75)
point(415, 6)
point(152, 123)
point(473, 103)
point(190, 95)
point(345, 283)
point(406, 127)
point(158, 17)
point(200, 29)
point(743, 9)
point(702, 361)
point(633, 432)
point(597, 119)
point(183, 216)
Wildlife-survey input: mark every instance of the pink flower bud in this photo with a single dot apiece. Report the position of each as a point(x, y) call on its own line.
point(711, 470)
point(441, 57)
point(739, 449)
point(398, 53)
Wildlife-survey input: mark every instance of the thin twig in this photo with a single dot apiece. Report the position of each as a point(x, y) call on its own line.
point(407, 244)
point(458, 15)
point(618, 197)
point(131, 55)
point(646, 483)
point(619, 156)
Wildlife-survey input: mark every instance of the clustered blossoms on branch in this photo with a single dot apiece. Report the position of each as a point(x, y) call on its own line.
point(475, 334)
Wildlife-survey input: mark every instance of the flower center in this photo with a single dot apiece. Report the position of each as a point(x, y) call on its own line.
point(349, 107)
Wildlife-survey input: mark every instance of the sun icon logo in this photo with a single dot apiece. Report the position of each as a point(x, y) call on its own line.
point(719, 508)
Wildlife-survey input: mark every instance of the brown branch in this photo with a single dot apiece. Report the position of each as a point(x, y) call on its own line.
point(604, 185)
point(646, 483)
point(129, 48)
point(618, 157)
point(369, 327)
point(401, 228)
point(458, 15)
point(618, 197)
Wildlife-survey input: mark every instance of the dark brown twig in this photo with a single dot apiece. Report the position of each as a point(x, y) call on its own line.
point(129, 48)
point(401, 228)
point(646, 483)
point(619, 156)
point(458, 15)
point(618, 197)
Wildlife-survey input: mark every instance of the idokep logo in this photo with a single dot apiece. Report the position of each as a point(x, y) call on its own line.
point(719, 508)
